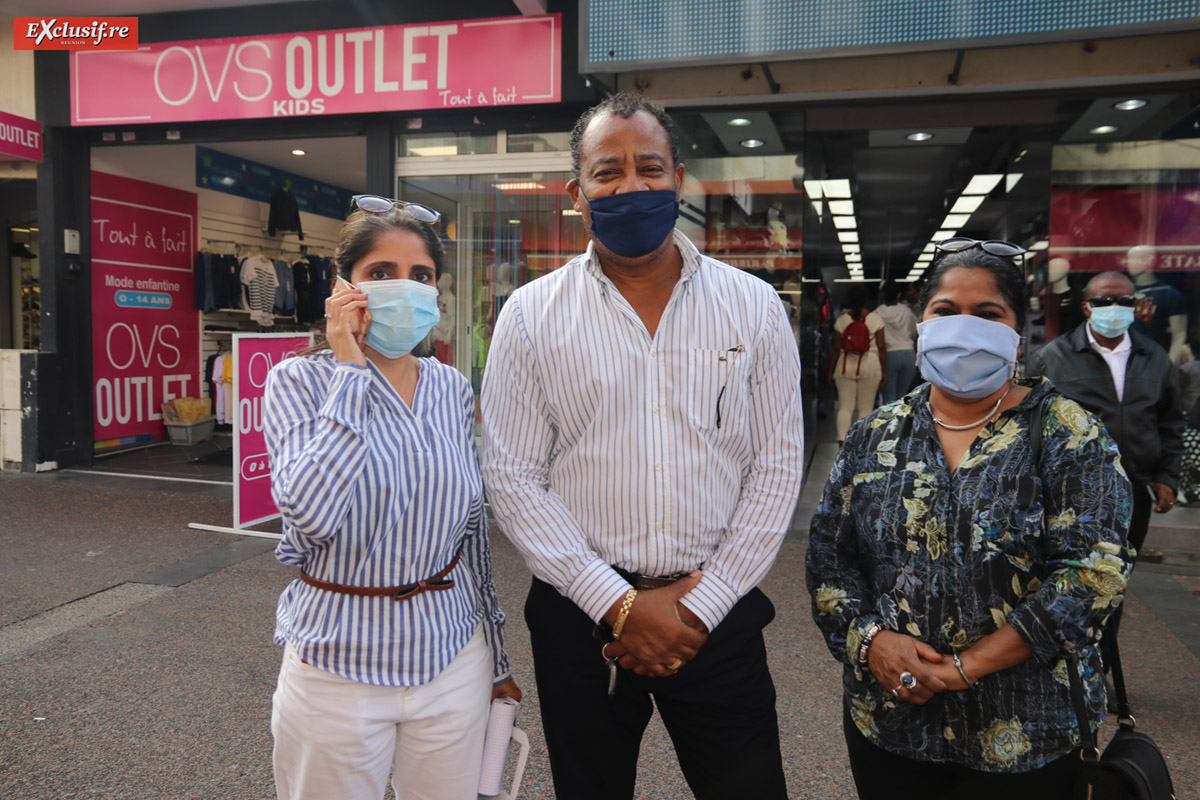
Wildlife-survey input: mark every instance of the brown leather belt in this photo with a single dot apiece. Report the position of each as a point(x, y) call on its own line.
point(437, 583)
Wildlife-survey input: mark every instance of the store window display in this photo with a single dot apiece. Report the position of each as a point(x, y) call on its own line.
point(1161, 313)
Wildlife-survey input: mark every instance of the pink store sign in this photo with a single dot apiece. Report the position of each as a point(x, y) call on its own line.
point(20, 137)
point(145, 327)
point(464, 64)
point(253, 356)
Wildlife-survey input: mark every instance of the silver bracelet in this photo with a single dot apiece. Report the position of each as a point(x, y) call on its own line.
point(961, 671)
point(866, 645)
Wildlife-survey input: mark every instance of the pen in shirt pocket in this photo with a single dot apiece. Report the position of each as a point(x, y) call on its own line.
point(728, 357)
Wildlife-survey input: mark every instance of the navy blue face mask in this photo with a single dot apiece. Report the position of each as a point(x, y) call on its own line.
point(634, 224)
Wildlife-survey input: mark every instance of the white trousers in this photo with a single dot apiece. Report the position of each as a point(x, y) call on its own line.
point(337, 739)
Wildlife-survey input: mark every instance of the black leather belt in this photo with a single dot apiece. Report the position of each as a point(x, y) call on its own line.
point(644, 582)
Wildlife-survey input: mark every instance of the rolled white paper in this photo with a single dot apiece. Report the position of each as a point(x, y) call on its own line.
point(495, 744)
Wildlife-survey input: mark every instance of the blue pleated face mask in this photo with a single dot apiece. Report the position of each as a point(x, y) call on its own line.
point(403, 312)
point(634, 224)
point(967, 356)
point(1111, 321)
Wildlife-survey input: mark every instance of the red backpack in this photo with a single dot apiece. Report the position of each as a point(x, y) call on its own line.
point(856, 339)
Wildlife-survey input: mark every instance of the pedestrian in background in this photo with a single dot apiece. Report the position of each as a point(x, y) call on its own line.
point(1128, 381)
point(900, 336)
point(642, 447)
point(859, 359)
point(954, 571)
point(392, 633)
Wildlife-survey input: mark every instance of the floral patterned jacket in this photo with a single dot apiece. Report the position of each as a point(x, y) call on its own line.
point(898, 540)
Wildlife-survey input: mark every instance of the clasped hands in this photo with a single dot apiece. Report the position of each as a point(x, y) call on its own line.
point(659, 631)
point(892, 654)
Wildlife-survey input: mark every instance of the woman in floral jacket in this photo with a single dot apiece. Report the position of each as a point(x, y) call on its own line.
point(953, 574)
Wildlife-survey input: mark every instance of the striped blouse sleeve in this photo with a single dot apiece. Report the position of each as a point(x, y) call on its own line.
point(477, 553)
point(315, 434)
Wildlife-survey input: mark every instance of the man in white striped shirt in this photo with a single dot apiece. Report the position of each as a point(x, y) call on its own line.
point(642, 428)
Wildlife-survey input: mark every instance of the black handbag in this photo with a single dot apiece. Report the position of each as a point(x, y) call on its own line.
point(1131, 767)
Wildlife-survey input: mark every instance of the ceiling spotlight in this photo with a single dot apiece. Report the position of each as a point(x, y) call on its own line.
point(738, 122)
point(919, 136)
point(298, 152)
point(751, 142)
point(1130, 104)
point(1100, 130)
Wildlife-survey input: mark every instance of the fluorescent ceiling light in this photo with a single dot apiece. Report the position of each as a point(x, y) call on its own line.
point(1130, 104)
point(955, 220)
point(924, 258)
point(1011, 180)
point(940, 235)
point(813, 189)
point(514, 222)
point(1041, 245)
point(928, 248)
point(919, 136)
point(851, 247)
point(818, 207)
point(738, 122)
point(841, 207)
point(1100, 130)
point(517, 186)
point(752, 143)
point(435, 150)
point(851, 257)
point(982, 184)
point(570, 212)
point(838, 188)
point(844, 222)
point(847, 236)
point(298, 152)
point(857, 279)
point(966, 205)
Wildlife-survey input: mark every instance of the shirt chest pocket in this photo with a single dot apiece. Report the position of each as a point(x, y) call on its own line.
point(716, 384)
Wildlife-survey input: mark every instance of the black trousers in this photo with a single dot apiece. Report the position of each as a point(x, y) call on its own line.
point(719, 709)
point(883, 775)
point(1139, 527)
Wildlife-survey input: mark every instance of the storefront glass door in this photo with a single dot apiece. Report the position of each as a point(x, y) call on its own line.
point(502, 230)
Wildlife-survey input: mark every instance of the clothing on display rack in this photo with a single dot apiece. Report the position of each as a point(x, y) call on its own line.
point(285, 290)
point(285, 214)
point(259, 276)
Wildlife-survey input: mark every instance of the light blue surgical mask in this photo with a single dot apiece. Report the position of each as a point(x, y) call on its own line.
point(967, 356)
point(634, 224)
point(403, 312)
point(1111, 322)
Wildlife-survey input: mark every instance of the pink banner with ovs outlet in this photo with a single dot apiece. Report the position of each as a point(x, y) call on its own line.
point(20, 137)
point(145, 327)
point(463, 64)
point(253, 356)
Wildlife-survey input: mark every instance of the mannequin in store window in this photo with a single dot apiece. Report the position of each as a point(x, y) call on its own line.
point(1064, 302)
point(443, 331)
point(1162, 312)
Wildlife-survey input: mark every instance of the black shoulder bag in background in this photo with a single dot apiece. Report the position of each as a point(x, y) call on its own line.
point(1131, 767)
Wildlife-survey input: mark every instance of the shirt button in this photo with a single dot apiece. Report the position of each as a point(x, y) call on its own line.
point(654, 409)
point(653, 351)
point(658, 527)
point(658, 467)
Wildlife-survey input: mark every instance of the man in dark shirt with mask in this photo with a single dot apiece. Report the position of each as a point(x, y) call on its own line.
point(1129, 382)
point(643, 446)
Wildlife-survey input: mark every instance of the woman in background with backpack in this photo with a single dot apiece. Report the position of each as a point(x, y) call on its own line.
point(859, 359)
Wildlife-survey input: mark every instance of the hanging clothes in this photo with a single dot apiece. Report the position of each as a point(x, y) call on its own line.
point(285, 214)
point(259, 277)
point(285, 290)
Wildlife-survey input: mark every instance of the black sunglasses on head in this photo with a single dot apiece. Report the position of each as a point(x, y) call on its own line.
point(990, 246)
point(377, 204)
point(1103, 300)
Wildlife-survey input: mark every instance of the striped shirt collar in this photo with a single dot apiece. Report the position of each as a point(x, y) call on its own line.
point(692, 259)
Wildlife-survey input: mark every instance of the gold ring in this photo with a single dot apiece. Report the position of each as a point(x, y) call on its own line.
point(675, 665)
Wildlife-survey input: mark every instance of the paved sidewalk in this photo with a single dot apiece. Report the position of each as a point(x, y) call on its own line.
point(136, 658)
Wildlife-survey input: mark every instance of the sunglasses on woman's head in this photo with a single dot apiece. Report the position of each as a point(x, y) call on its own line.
point(1103, 300)
point(992, 247)
point(377, 204)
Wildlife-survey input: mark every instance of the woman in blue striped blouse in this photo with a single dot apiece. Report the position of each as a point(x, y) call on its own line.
point(393, 635)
